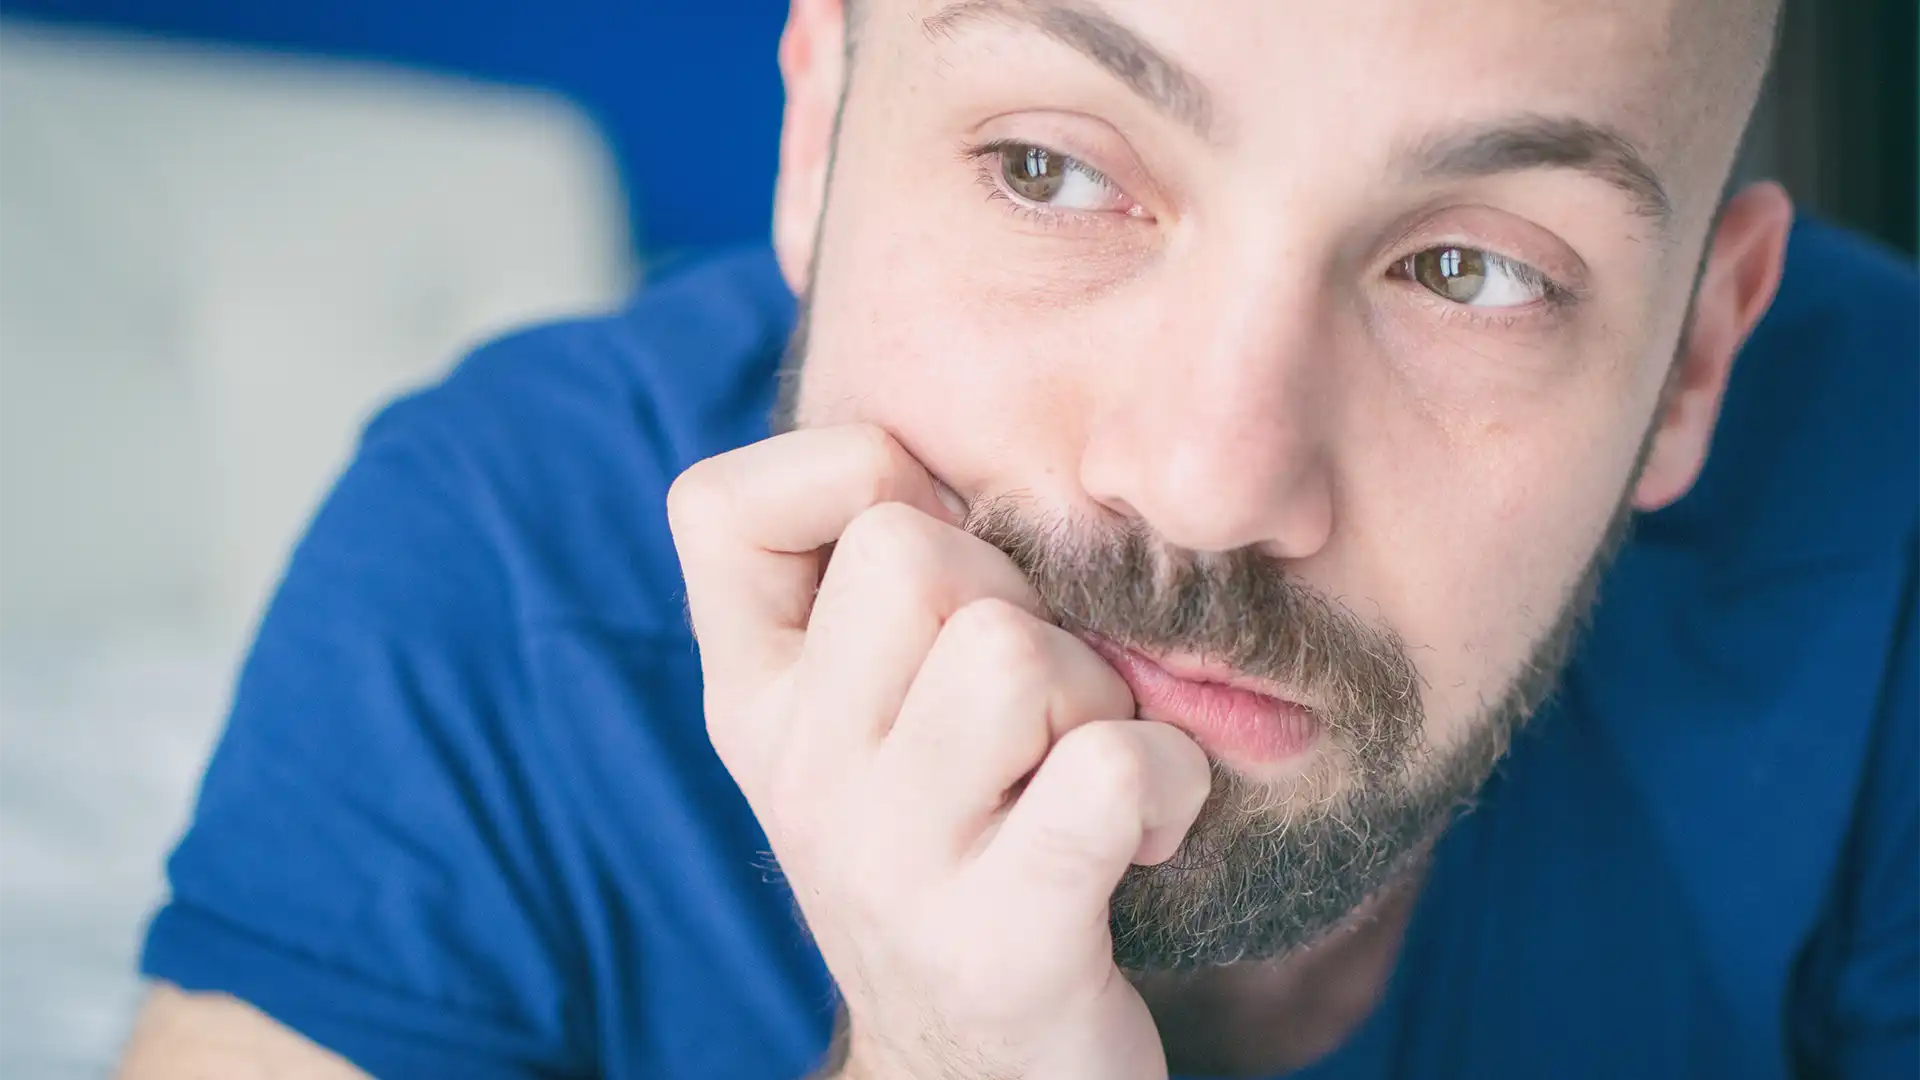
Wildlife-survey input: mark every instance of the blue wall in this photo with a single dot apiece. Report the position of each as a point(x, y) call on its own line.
point(686, 90)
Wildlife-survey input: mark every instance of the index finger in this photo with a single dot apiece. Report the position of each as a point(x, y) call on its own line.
point(751, 527)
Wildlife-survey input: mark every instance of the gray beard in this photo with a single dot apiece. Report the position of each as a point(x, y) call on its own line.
point(1250, 883)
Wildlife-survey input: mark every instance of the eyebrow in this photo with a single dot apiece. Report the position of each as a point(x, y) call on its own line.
point(1519, 145)
point(1542, 142)
point(1103, 39)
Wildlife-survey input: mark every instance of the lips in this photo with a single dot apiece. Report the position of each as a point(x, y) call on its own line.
point(1230, 719)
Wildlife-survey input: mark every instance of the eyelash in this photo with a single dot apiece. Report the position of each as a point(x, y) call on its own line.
point(985, 157)
point(1555, 298)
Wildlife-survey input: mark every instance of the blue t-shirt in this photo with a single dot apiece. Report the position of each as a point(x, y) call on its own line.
point(464, 821)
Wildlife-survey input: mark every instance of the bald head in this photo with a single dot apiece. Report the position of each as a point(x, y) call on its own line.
point(1720, 53)
point(1737, 36)
point(1746, 29)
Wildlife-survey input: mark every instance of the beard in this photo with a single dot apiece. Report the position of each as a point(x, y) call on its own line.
point(1268, 869)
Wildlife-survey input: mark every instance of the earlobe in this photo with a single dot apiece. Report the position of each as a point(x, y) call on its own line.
point(1745, 257)
point(812, 61)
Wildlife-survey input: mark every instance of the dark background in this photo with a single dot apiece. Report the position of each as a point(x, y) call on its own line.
point(688, 94)
point(1837, 122)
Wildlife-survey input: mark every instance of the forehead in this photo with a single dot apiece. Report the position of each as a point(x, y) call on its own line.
point(1356, 68)
point(1261, 35)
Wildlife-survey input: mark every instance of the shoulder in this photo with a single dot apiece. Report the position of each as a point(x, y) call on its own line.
point(560, 441)
point(472, 693)
point(1738, 662)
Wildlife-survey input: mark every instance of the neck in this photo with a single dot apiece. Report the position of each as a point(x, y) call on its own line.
point(1278, 1015)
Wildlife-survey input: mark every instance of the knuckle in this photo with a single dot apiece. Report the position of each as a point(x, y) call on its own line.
point(696, 495)
point(890, 537)
point(1000, 637)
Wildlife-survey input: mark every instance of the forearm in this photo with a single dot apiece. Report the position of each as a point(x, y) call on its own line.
point(180, 1035)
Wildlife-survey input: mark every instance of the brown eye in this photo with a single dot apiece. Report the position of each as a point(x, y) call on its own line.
point(1033, 173)
point(1456, 273)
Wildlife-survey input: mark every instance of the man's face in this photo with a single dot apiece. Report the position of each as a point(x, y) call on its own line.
point(1319, 342)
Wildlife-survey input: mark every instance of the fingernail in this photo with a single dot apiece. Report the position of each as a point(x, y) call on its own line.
point(952, 501)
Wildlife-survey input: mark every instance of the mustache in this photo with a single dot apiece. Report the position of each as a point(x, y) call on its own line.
point(1238, 608)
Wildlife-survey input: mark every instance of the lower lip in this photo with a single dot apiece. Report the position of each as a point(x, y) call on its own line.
point(1229, 723)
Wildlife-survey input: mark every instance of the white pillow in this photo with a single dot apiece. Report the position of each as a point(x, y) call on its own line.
point(213, 267)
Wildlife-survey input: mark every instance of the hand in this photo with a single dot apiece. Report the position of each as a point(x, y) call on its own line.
point(879, 728)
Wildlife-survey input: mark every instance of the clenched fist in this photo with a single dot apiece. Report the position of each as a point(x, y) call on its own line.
point(951, 783)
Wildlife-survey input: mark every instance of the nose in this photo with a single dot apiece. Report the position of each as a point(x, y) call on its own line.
point(1216, 435)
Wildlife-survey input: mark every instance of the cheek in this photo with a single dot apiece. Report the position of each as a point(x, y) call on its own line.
point(1489, 536)
point(973, 388)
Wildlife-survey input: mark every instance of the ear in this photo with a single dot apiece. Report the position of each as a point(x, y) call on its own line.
point(812, 65)
point(1744, 259)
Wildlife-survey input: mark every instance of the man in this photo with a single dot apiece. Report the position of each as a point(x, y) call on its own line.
point(1208, 432)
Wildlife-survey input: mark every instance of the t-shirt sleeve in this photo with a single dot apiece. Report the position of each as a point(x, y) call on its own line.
point(1869, 1023)
point(375, 857)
